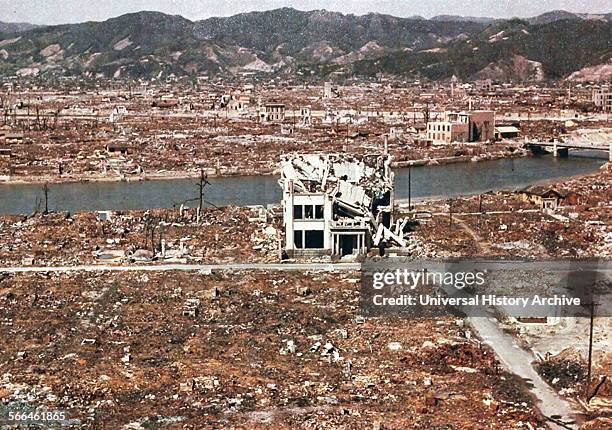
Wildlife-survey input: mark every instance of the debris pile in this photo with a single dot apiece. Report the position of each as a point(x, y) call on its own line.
point(157, 236)
point(562, 373)
point(507, 224)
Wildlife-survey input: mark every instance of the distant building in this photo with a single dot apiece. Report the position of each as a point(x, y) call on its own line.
point(395, 133)
point(484, 85)
point(548, 198)
point(117, 113)
point(450, 129)
point(224, 100)
point(602, 98)
point(287, 129)
point(239, 104)
point(272, 112)
point(506, 132)
point(305, 116)
point(471, 126)
point(9, 136)
point(481, 125)
point(330, 91)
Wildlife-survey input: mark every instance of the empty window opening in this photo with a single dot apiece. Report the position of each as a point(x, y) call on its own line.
point(318, 211)
point(298, 238)
point(314, 239)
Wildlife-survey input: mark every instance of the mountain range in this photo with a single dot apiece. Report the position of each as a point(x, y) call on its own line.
point(16, 27)
point(317, 43)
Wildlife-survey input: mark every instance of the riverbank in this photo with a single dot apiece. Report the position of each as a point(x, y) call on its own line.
point(236, 172)
point(446, 180)
point(544, 182)
point(506, 223)
point(462, 159)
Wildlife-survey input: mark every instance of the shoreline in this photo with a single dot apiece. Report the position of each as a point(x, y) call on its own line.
point(551, 181)
point(181, 174)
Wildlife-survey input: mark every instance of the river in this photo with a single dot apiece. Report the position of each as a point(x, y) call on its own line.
point(427, 181)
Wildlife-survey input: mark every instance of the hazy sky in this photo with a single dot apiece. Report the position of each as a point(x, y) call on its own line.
point(65, 11)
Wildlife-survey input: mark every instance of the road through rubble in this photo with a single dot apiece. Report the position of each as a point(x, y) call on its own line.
point(518, 361)
point(186, 267)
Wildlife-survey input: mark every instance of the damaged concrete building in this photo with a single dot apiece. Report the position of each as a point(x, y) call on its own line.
point(602, 98)
point(471, 126)
point(272, 112)
point(330, 91)
point(336, 205)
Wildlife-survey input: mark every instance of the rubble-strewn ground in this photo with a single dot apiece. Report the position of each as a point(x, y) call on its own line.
point(220, 235)
point(259, 349)
point(511, 227)
point(562, 349)
point(170, 131)
point(264, 350)
point(178, 147)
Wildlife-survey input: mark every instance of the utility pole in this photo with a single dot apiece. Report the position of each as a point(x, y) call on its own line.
point(153, 238)
point(203, 182)
point(161, 240)
point(592, 308)
point(450, 213)
point(410, 187)
point(146, 232)
point(46, 192)
point(589, 396)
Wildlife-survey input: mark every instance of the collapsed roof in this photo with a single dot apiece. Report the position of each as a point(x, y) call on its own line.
point(356, 182)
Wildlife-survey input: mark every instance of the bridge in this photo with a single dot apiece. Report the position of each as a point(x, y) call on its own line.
point(561, 149)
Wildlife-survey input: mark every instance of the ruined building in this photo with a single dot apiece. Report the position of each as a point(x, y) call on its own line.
point(471, 126)
point(305, 116)
point(602, 98)
point(483, 86)
point(272, 112)
point(330, 91)
point(336, 204)
point(240, 103)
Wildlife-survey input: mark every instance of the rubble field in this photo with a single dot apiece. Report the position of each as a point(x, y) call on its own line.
point(219, 235)
point(503, 224)
point(253, 349)
point(180, 147)
point(58, 134)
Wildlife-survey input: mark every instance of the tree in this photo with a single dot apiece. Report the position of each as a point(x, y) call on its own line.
point(200, 185)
